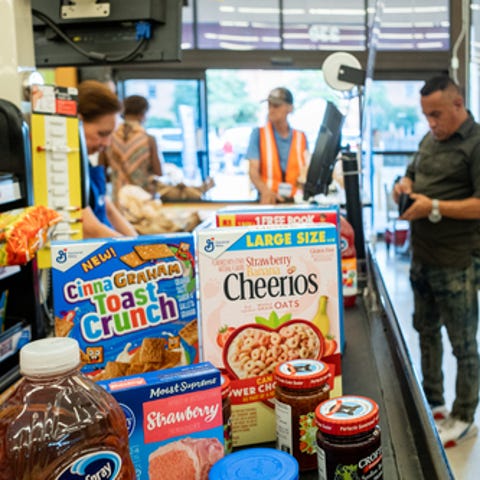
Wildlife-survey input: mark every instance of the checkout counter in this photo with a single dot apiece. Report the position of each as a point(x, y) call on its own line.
point(377, 364)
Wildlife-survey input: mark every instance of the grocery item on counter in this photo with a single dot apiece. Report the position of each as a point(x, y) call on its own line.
point(256, 464)
point(24, 231)
point(301, 385)
point(56, 424)
point(227, 414)
point(175, 421)
point(130, 302)
point(275, 215)
point(348, 439)
point(260, 290)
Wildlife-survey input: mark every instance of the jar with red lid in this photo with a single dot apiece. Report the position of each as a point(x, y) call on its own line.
point(301, 385)
point(227, 413)
point(348, 439)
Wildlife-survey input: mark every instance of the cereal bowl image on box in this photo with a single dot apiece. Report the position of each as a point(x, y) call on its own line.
point(268, 295)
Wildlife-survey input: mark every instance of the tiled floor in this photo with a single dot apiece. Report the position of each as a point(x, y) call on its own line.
point(465, 458)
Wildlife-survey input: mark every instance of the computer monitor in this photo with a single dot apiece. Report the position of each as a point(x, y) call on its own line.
point(111, 32)
point(327, 146)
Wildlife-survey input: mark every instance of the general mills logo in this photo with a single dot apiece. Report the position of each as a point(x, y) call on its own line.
point(61, 256)
point(209, 245)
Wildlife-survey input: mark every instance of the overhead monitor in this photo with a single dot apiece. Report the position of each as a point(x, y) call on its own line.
point(327, 146)
point(96, 32)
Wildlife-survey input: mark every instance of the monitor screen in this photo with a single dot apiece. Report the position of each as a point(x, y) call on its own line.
point(128, 31)
point(327, 146)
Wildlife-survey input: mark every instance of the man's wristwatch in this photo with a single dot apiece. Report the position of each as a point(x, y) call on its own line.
point(435, 216)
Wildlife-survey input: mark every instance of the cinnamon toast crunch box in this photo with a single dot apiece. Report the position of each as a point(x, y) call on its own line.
point(174, 420)
point(130, 302)
point(267, 295)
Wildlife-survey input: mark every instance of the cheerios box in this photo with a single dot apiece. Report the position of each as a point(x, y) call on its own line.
point(174, 420)
point(130, 302)
point(276, 215)
point(268, 295)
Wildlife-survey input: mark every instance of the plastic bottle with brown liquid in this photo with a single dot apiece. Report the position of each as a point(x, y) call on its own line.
point(57, 424)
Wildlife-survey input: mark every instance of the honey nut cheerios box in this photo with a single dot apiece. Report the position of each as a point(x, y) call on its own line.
point(174, 420)
point(130, 302)
point(268, 295)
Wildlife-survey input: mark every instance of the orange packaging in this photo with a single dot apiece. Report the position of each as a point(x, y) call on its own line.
point(268, 295)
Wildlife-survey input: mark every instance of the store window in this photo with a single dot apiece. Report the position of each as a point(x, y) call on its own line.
point(413, 25)
point(397, 125)
point(326, 25)
point(238, 25)
point(312, 25)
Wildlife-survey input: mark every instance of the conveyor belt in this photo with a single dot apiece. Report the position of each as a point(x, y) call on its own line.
point(377, 364)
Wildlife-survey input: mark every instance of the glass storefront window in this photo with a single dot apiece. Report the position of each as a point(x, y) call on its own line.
point(326, 25)
point(238, 25)
point(414, 25)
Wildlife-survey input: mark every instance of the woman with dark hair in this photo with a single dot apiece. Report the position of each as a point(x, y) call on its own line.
point(98, 107)
point(132, 156)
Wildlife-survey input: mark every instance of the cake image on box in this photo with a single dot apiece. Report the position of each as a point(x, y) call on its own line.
point(130, 302)
point(174, 420)
point(267, 295)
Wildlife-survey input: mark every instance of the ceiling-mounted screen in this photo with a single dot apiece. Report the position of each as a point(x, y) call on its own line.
point(106, 32)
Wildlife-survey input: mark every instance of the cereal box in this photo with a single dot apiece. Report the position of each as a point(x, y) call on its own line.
point(275, 215)
point(267, 295)
point(300, 214)
point(130, 302)
point(174, 420)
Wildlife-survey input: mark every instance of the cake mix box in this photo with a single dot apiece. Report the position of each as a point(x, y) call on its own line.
point(130, 302)
point(233, 216)
point(268, 295)
point(174, 420)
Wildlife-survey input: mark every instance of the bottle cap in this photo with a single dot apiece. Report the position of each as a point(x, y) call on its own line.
point(49, 356)
point(255, 464)
point(346, 416)
point(302, 373)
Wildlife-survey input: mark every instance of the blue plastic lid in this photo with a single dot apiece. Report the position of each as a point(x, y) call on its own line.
point(255, 464)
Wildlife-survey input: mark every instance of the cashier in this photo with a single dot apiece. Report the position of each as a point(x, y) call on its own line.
point(98, 107)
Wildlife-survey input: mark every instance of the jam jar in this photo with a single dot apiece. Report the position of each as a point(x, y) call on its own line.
point(300, 386)
point(348, 439)
point(227, 413)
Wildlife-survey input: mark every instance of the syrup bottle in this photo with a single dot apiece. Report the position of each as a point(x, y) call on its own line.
point(57, 424)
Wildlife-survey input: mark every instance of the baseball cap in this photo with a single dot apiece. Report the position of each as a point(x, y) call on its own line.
point(280, 95)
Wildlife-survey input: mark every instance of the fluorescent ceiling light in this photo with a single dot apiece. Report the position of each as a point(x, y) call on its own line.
point(226, 9)
point(339, 11)
point(235, 46)
point(437, 35)
point(259, 10)
point(233, 23)
point(270, 39)
point(231, 38)
point(409, 10)
point(429, 45)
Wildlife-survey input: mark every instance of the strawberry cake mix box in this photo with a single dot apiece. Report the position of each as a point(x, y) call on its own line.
point(268, 295)
point(130, 302)
point(275, 215)
point(174, 420)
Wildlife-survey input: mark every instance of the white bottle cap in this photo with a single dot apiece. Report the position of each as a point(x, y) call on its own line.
point(49, 356)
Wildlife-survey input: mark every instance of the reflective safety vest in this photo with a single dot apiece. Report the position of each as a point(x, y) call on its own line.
point(270, 168)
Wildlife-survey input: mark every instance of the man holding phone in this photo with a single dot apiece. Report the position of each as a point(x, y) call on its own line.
point(443, 182)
